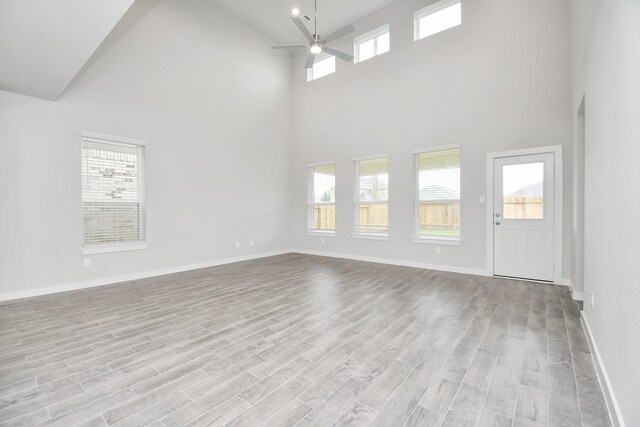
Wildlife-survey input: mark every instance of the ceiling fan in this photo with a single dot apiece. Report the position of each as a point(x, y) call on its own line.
point(317, 43)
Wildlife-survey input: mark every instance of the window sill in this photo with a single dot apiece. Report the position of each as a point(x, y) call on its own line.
point(103, 249)
point(370, 236)
point(437, 241)
point(321, 233)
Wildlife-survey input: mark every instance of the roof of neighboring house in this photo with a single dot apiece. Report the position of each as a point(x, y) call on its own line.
point(532, 190)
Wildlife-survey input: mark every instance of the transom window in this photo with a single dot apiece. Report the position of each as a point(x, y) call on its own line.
point(437, 17)
point(113, 202)
point(438, 193)
point(322, 67)
point(372, 44)
point(322, 198)
point(372, 196)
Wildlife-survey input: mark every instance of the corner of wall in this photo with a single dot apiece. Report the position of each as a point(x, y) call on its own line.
point(605, 383)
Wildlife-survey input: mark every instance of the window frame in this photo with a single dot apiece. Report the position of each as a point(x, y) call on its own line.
point(311, 203)
point(97, 248)
point(371, 35)
point(430, 10)
point(356, 200)
point(320, 57)
point(435, 240)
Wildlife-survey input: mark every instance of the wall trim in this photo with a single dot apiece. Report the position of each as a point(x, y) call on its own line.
point(605, 383)
point(46, 290)
point(577, 296)
point(64, 287)
point(402, 263)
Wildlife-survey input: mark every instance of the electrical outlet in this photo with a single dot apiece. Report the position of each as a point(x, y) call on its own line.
point(237, 245)
point(87, 262)
point(437, 250)
point(592, 300)
point(322, 241)
point(250, 242)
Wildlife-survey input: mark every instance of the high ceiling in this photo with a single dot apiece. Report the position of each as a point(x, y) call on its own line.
point(272, 17)
point(45, 43)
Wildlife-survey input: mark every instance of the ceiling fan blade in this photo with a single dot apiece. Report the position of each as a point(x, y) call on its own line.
point(296, 20)
point(290, 46)
point(339, 34)
point(310, 60)
point(339, 54)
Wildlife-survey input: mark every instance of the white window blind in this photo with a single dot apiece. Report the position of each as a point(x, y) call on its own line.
point(372, 196)
point(113, 204)
point(322, 198)
point(372, 44)
point(438, 193)
point(437, 17)
point(322, 67)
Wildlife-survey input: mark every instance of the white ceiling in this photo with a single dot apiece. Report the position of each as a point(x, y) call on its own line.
point(272, 17)
point(45, 43)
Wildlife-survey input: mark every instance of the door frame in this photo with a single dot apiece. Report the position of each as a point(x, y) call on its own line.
point(558, 210)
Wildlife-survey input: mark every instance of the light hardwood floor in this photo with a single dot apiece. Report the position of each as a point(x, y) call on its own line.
point(299, 340)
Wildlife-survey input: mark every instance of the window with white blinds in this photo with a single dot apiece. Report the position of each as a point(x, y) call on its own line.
point(438, 193)
point(322, 198)
point(113, 203)
point(372, 196)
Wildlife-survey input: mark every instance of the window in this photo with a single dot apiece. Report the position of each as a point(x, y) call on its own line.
point(322, 67)
point(372, 196)
point(372, 44)
point(113, 206)
point(322, 198)
point(523, 191)
point(438, 193)
point(437, 17)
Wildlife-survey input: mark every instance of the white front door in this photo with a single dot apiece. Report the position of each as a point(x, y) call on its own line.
point(523, 217)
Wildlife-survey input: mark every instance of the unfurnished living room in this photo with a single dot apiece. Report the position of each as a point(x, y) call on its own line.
point(319, 213)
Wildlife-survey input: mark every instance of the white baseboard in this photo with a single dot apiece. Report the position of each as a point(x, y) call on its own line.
point(577, 296)
point(45, 290)
point(603, 378)
point(403, 263)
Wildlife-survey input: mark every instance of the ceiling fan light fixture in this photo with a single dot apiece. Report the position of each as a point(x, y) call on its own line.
point(315, 42)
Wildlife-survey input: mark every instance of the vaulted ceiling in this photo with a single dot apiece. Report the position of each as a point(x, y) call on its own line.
point(45, 43)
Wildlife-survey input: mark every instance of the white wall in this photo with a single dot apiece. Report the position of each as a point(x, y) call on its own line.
point(213, 103)
point(606, 71)
point(499, 81)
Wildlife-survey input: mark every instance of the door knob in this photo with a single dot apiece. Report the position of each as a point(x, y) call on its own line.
point(497, 222)
point(497, 215)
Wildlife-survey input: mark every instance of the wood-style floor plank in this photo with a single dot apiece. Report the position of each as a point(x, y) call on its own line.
point(298, 340)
